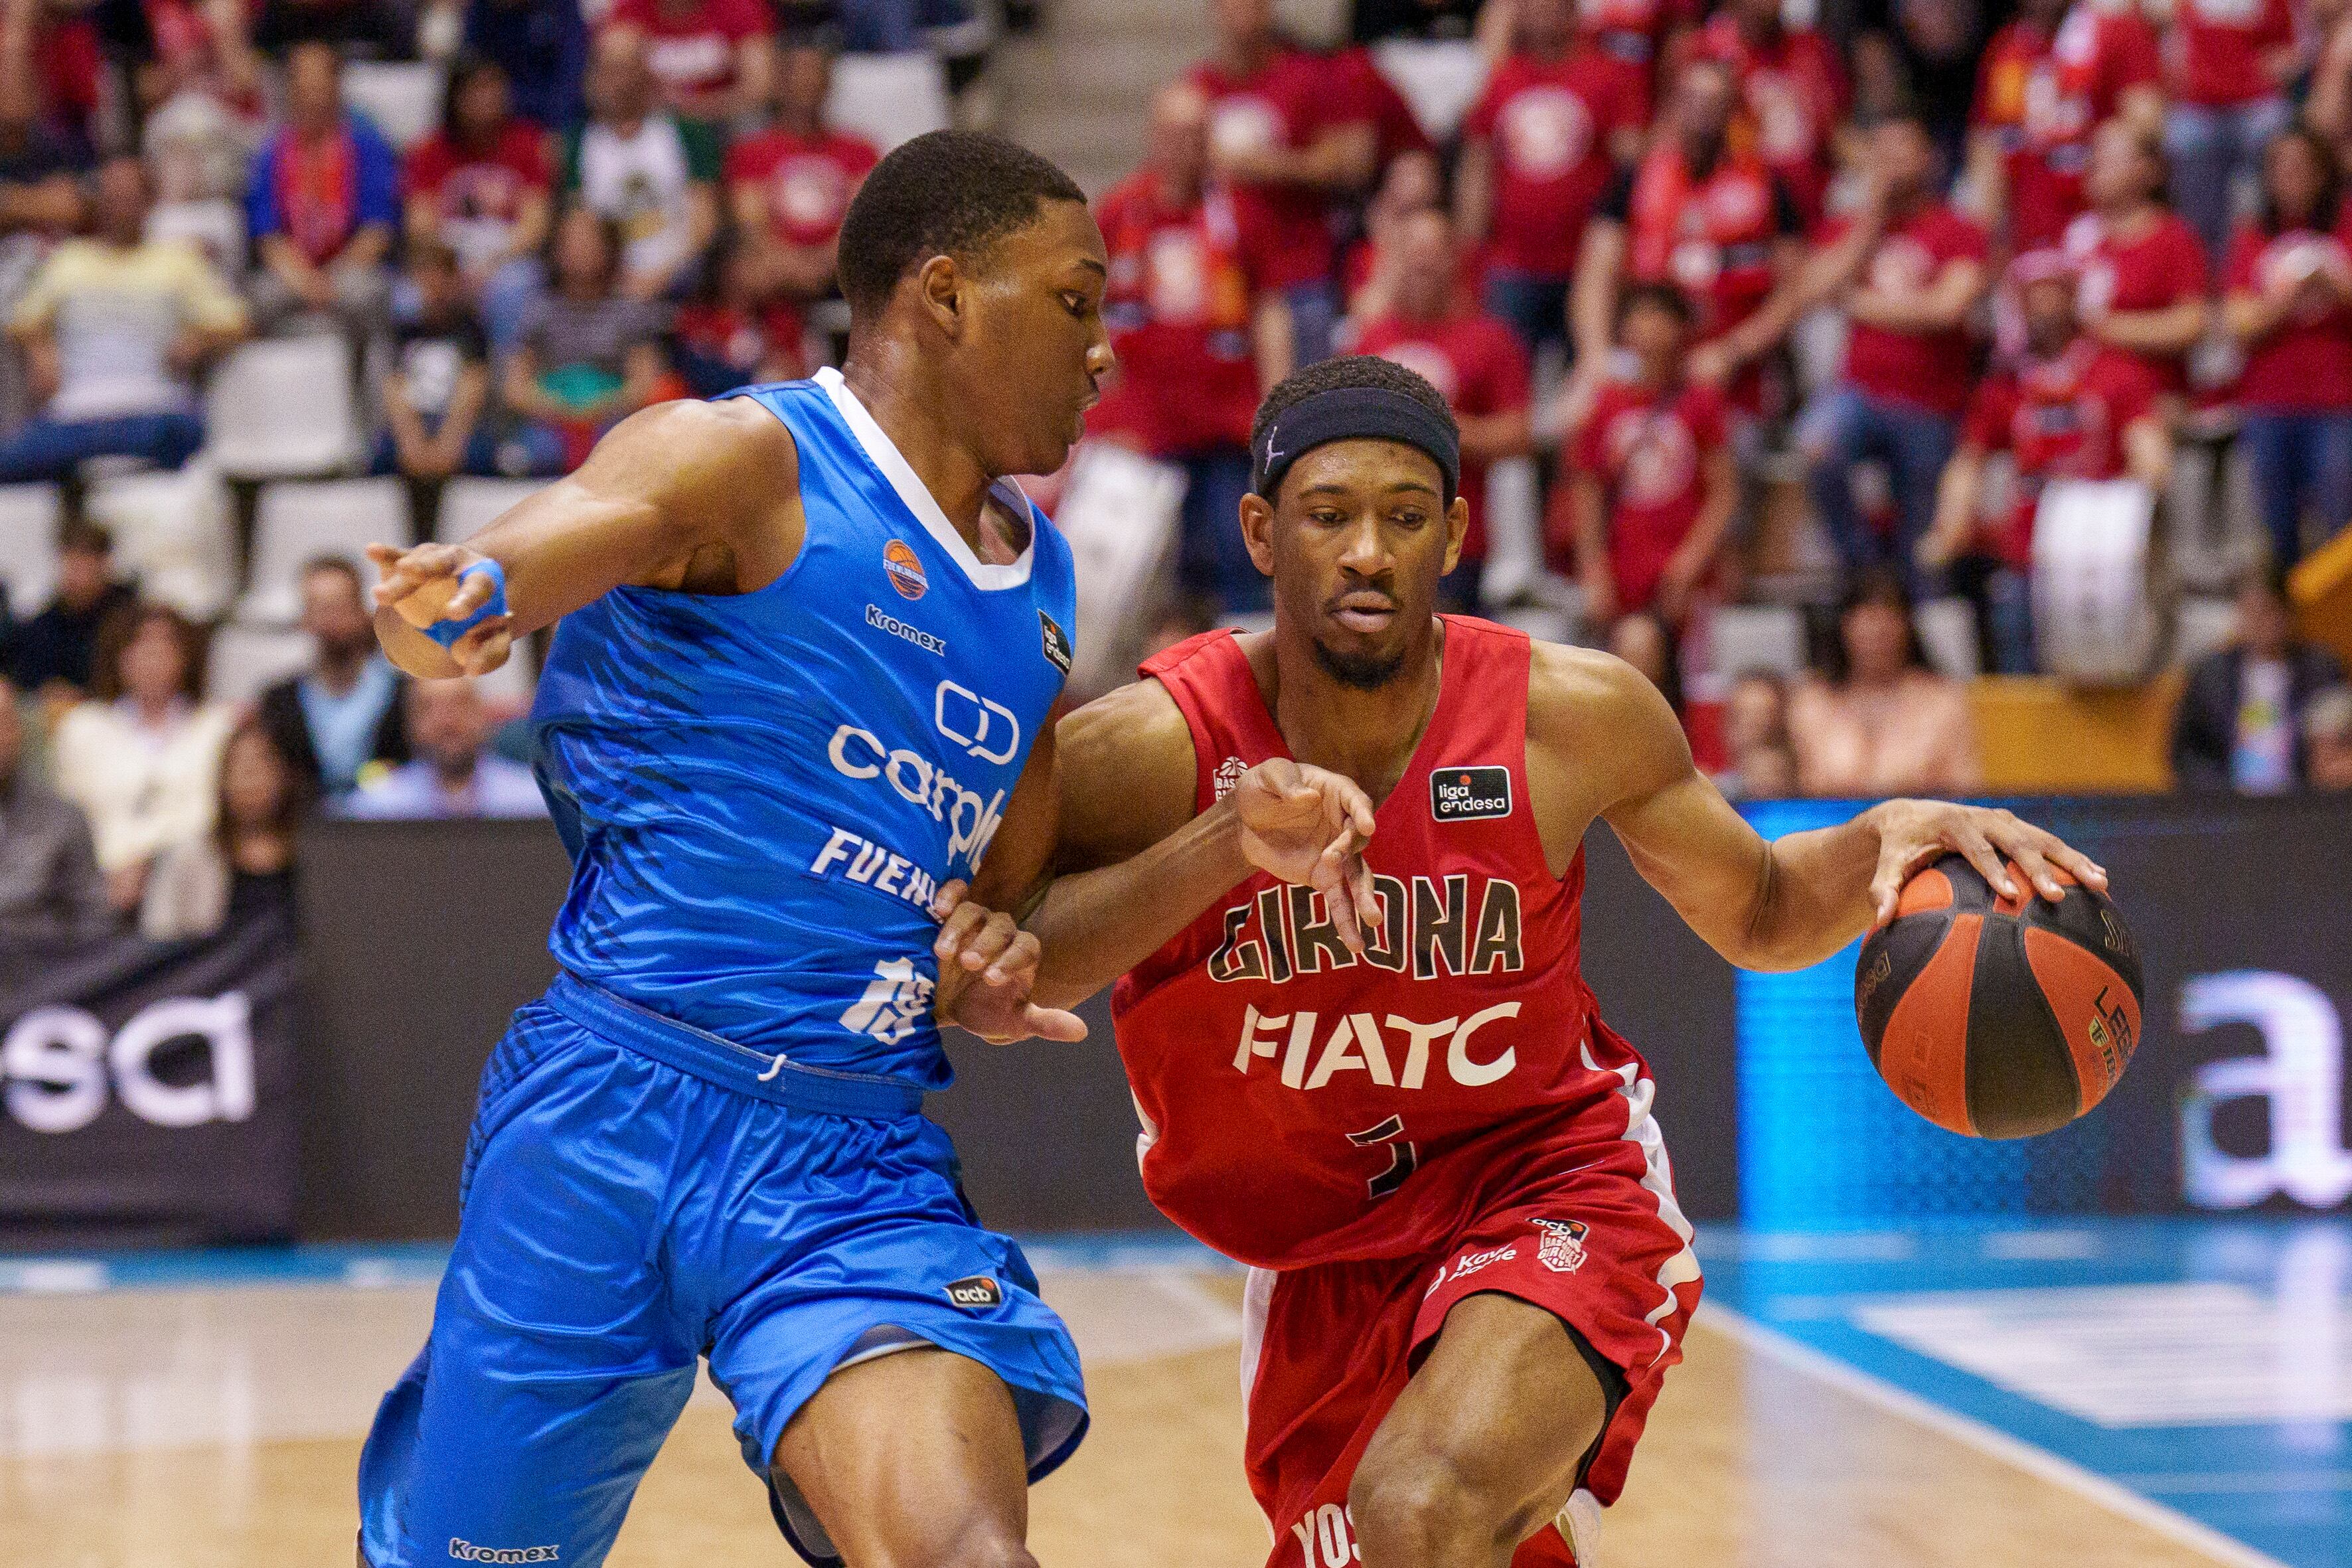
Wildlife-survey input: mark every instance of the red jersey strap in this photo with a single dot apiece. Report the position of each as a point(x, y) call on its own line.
point(1217, 692)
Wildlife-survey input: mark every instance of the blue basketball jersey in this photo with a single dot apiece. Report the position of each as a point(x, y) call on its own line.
point(761, 791)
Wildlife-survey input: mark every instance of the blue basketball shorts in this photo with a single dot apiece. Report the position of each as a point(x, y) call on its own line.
point(623, 1215)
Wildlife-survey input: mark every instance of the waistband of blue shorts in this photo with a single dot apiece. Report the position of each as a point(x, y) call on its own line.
point(770, 1076)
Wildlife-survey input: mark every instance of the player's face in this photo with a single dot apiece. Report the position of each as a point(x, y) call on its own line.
point(1033, 349)
point(1356, 541)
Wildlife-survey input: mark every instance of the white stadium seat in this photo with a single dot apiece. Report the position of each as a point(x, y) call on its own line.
point(173, 532)
point(1947, 634)
point(2096, 620)
point(888, 98)
point(1741, 637)
point(1514, 532)
point(297, 523)
point(1438, 78)
point(402, 99)
point(2203, 624)
point(28, 545)
point(244, 659)
point(470, 506)
point(281, 409)
point(1120, 513)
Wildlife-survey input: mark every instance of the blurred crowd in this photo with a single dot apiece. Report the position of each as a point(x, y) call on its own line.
point(1914, 285)
point(1930, 284)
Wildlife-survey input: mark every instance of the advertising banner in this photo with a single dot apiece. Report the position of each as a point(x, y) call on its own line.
point(2235, 1099)
point(147, 1088)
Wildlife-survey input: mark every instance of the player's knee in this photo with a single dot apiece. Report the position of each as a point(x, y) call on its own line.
point(1424, 1509)
point(982, 1544)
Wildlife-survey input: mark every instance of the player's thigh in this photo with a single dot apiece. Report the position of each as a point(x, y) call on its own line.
point(915, 1457)
point(1489, 1434)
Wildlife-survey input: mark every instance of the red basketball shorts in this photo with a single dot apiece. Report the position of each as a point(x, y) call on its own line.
point(1596, 1241)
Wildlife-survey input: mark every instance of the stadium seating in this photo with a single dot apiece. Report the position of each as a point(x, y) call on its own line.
point(246, 658)
point(470, 506)
point(282, 408)
point(1948, 635)
point(172, 532)
point(1742, 637)
point(297, 523)
point(28, 545)
point(402, 99)
point(888, 98)
point(1440, 79)
point(1119, 513)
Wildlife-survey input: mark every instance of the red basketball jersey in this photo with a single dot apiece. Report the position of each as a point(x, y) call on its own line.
point(1301, 1105)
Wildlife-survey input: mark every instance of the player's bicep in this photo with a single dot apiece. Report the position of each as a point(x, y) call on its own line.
point(1124, 777)
point(667, 484)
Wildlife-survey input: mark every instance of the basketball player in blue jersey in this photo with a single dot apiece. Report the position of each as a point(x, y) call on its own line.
point(806, 651)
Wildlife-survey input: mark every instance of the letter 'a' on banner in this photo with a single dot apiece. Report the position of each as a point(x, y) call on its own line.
point(147, 1088)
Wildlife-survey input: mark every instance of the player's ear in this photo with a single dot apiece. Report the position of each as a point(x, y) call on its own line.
point(1457, 529)
point(940, 286)
point(1257, 532)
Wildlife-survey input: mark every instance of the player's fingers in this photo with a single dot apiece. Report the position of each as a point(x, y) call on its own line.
point(473, 593)
point(2085, 870)
point(484, 648)
point(956, 930)
point(1053, 1024)
point(1970, 840)
point(2019, 846)
point(951, 893)
point(990, 944)
point(1369, 913)
point(1339, 903)
point(1887, 887)
point(1018, 961)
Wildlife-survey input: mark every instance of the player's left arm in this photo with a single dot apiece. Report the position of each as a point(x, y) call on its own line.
point(1612, 749)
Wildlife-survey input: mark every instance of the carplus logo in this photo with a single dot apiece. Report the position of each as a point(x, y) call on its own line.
point(983, 728)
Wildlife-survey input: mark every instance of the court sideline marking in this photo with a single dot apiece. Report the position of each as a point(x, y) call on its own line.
point(2049, 1467)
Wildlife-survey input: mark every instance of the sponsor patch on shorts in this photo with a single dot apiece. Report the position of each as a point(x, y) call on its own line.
point(1560, 1243)
point(975, 1293)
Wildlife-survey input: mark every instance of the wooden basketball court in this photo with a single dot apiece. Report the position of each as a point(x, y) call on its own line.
point(216, 1427)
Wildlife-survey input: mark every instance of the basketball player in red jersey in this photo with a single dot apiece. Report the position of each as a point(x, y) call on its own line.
point(1469, 1274)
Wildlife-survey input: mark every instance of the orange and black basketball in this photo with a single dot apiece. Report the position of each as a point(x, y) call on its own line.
point(1993, 1016)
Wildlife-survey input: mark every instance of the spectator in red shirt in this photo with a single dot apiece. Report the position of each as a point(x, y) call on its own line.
point(2144, 273)
point(322, 205)
point(1792, 92)
point(1907, 290)
point(1475, 360)
point(2228, 63)
point(483, 186)
point(1200, 330)
point(725, 336)
point(2046, 80)
point(1633, 35)
point(1707, 218)
point(1280, 131)
point(790, 187)
point(1648, 497)
point(715, 58)
point(2071, 409)
point(2288, 302)
point(1413, 182)
point(1538, 147)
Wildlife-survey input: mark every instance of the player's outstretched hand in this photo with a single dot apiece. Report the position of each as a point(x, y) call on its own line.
point(1913, 832)
point(1309, 824)
point(988, 967)
point(422, 585)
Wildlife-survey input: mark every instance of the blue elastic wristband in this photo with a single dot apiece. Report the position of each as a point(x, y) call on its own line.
point(446, 632)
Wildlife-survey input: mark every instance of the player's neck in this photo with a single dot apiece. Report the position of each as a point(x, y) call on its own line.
point(908, 406)
point(1368, 734)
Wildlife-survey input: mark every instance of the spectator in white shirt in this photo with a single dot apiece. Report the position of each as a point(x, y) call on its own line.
point(142, 758)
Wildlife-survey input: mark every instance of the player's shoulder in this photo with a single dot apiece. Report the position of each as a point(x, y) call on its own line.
point(1592, 703)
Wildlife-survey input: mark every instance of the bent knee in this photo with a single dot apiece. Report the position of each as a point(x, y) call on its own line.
point(1434, 1508)
point(988, 1545)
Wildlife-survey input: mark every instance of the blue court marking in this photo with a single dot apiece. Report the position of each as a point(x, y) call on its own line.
point(2262, 1451)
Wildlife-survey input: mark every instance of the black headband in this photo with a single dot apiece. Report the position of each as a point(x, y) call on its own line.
point(1353, 414)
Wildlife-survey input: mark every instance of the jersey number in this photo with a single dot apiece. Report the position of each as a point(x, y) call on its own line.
point(1404, 1157)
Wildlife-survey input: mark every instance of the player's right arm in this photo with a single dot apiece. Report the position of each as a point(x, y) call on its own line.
point(1133, 865)
point(699, 496)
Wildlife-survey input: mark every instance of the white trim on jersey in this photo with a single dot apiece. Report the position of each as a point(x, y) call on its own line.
point(885, 456)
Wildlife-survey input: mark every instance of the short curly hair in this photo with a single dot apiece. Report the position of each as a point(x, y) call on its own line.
point(1370, 371)
point(947, 193)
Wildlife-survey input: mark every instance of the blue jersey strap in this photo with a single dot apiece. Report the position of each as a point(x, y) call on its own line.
point(447, 632)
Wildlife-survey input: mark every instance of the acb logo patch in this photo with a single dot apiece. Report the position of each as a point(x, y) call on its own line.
point(975, 1293)
point(1560, 1243)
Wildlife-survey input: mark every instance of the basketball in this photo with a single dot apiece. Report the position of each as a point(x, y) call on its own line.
point(1993, 1016)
